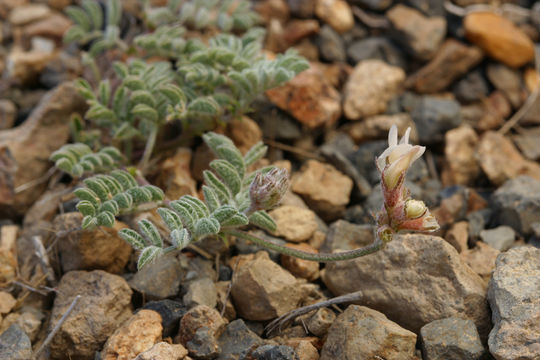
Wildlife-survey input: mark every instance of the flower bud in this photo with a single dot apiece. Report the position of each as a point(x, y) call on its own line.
point(267, 190)
point(415, 208)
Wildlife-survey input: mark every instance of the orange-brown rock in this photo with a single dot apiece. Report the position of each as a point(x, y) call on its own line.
point(298, 267)
point(499, 38)
point(297, 30)
point(244, 132)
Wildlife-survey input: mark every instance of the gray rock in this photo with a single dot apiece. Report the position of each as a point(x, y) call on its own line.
point(237, 341)
point(15, 344)
point(171, 312)
point(363, 333)
point(167, 270)
point(517, 203)
point(508, 81)
point(501, 238)
point(274, 352)
point(105, 303)
point(331, 46)
point(376, 5)
point(434, 116)
point(358, 32)
point(472, 87)
point(477, 222)
point(344, 235)
point(515, 305)
point(428, 7)
point(433, 267)
point(528, 143)
point(376, 47)
point(201, 292)
point(203, 345)
point(199, 330)
point(451, 339)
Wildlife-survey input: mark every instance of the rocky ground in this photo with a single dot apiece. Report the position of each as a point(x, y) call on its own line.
point(464, 81)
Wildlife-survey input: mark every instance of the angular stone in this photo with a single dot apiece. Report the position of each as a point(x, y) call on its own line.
point(274, 352)
point(331, 45)
point(361, 333)
point(481, 259)
point(8, 112)
point(25, 14)
point(7, 302)
point(461, 166)
point(499, 38)
point(237, 341)
point(310, 98)
point(377, 127)
point(501, 238)
point(201, 292)
point(451, 339)
point(105, 303)
point(500, 159)
point(293, 223)
point(262, 290)
point(298, 267)
point(8, 253)
point(368, 95)
point(319, 323)
point(528, 143)
point(472, 87)
point(304, 348)
point(52, 26)
point(451, 61)
point(169, 272)
point(244, 132)
point(496, 108)
point(420, 35)
point(199, 330)
point(343, 235)
point(136, 335)
point(175, 176)
point(376, 47)
point(15, 344)
point(515, 305)
point(336, 13)
point(457, 236)
point(508, 81)
point(170, 311)
point(434, 117)
point(296, 30)
point(164, 351)
point(25, 150)
point(326, 190)
point(99, 249)
point(399, 292)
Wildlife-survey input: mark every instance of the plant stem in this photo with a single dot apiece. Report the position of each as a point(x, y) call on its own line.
point(149, 148)
point(345, 255)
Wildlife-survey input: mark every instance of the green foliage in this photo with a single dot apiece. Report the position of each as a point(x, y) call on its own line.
point(226, 203)
point(79, 159)
point(93, 26)
point(105, 196)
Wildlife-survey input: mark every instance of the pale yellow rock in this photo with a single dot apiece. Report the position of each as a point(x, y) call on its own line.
point(336, 13)
point(293, 223)
point(7, 302)
point(461, 166)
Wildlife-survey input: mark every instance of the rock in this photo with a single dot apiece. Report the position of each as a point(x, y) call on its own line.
point(528, 143)
point(368, 95)
point(451, 339)
point(302, 8)
point(362, 333)
point(199, 330)
point(319, 323)
point(377, 127)
point(420, 36)
point(434, 117)
point(336, 13)
point(21, 15)
point(237, 341)
point(296, 30)
point(331, 45)
point(170, 311)
point(376, 47)
point(310, 98)
point(301, 268)
point(25, 150)
point(169, 272)
point(508, 81)
point(399, 292)
point(274, 352)
point(29, 319)
point(514, 301)
point(52, 26)
point(304, 349)
point(15, 344)
point(499, 38)
point(458, 235)
point(496, 108)
point(7, 302)
point(481, 259)
point(450, 62)
point(201, 292)
point(105, 303)
point(456, 203)
point(472, 87)
point(8, 253)
point(244, 132)
point(272, 10)
point(225, 301)
point(262, 290)
point(8, 112)
point(25, 67)
point(517, 203)
point(164, 351)
point(293, 223)
point(376, 5)
point(99, 249)
point(326, 190)
point(343, 235)
point(501, 238)
point(136, 335)
point(461, 166)
point(175, 176)
point(500, 160)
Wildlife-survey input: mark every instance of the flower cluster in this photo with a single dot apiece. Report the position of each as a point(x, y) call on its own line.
point(267, 189)
point(399, 211)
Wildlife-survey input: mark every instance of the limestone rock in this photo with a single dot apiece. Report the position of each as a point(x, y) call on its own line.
point(319, 323)
point(500, 159)
point(361, 333)
point(199, 330)
point(169, 272)
point(105, 303)
point(293, 223)
point(515, 305)
point(499, 38)
point(461, 166)
point(136, 335)
point(326, 190)
point(368, 95)
point(457, 235)
point(401, 292)
point(481, 259)
point(298, 267)
point(262, 290)
point(336, 13)
point(201, 292)
point(501, 238)
point(244, 132)
point(99, 249)
point(175, 176)
point(7, 302)
point(164, 351)
point(451, 339)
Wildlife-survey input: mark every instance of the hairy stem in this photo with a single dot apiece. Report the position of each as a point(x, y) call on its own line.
point(149, 148)
point(345, 255)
